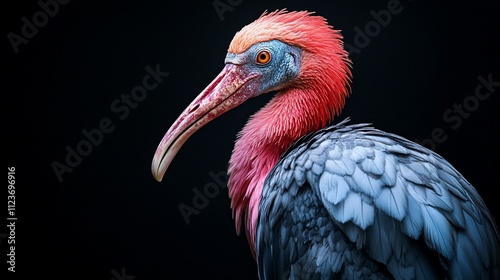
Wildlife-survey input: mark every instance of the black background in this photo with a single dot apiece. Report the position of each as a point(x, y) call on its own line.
point(109, 217)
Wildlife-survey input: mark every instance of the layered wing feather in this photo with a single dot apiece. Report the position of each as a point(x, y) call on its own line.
point(353, 201)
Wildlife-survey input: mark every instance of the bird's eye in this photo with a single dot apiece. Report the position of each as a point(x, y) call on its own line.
point(263, 57)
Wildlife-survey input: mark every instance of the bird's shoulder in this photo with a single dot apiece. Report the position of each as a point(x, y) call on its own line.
point(385, 192)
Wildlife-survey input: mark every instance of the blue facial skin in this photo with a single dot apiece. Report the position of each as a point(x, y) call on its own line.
point(282, 68)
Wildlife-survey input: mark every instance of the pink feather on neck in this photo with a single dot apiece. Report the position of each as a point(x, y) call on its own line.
point(307, 104)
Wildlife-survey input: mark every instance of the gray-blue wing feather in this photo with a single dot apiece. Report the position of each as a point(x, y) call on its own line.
point(353, 201)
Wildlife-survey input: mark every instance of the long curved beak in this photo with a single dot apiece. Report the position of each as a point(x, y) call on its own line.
point(221, 95)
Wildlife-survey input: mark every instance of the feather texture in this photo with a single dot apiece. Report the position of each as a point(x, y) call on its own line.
point(365, 207)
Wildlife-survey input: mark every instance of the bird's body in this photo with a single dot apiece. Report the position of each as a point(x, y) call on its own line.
point(353, 202)
point(332, 202)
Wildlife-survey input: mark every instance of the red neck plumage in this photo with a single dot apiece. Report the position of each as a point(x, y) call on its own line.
point(295, 111)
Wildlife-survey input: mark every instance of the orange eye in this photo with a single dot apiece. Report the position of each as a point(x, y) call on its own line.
point(263, 57)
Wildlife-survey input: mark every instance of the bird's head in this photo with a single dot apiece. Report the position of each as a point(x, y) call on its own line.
point(278, 51)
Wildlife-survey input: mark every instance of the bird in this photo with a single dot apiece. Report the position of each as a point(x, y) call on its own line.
point(320, 199)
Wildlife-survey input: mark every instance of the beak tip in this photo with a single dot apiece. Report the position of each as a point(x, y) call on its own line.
point(156, 172)
point(158, 178)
